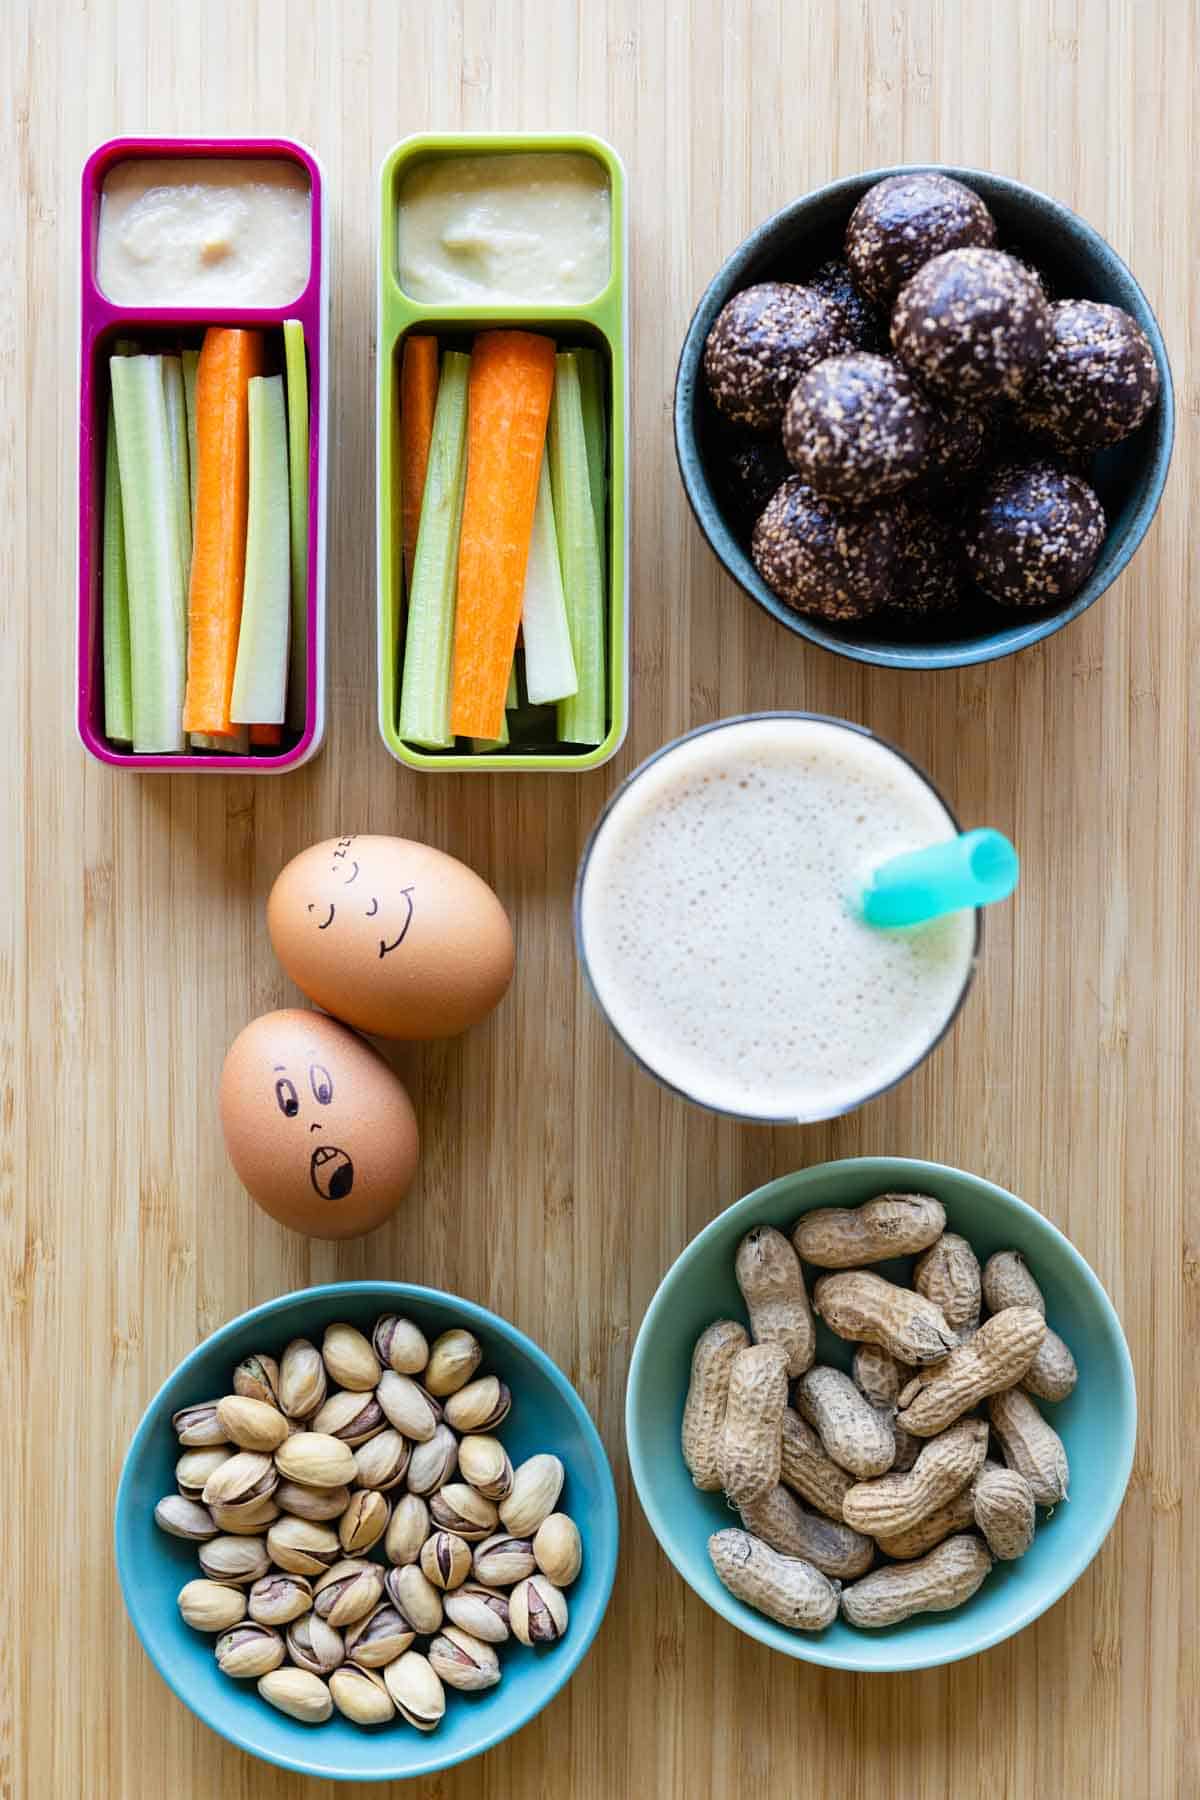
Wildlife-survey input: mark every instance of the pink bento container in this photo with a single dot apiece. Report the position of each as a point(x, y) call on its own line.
point(100, 321)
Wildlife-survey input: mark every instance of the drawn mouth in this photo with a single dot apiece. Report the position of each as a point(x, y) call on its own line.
point(331, 1172)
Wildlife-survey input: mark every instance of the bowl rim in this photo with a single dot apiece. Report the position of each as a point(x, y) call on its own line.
point(701, 498)
point(814, 1649)
point(556, 1672)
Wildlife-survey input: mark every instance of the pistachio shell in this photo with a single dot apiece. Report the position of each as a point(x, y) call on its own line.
point(537, 1483)
point(247, 1476)
point(558, 1549)
point(445, 1559)
point(278, 1599)
point(457, 1507)
point(317, 1460)
point(453, 1359)
point(237, 1559)
point(382, 1462)
point(185, 1519)
point(194, 1468)
point(415, 1598)
point(348, 1591)
point(248, 1651)
point(318, 1504)
point(480, 1405)
point(349, 1358)
point(379, 1638)
point(302, 1381)
point(299, 1693)
point(352, 1417)
point(503, 1559)
point(247, 1519)
point(480, 1610)
point(537, 1611)
point(197, 1426)
point(363, 1523)
point(303, 1548)
point(483, 1462)
point(407, 1406)
point(432, 1464)
point(361, 1696)
point(400, 1345)
point(211, 1606)
point(315, 1645)
point(408, 1529)
point(463, 1661)
point(416, 1691)
point(257, 1377)
point(251, 1424)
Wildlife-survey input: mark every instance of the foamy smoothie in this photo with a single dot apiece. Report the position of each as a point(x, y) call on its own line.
point(717, 918)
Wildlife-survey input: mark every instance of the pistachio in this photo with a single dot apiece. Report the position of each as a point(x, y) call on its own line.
point(408, 1407)
point(278, 1599)
point(351, 1417)
point(301, 1379)
point(251, 1424)
point(246, 1476)
point(480, 1610)
point(400, 1345)
point(349, 1358)
point(379, 1638)
point(415, 1599)
point(484, 1463)
point(537, 1611)
point(453, 1359)
point(361, 1696)
point(240, 1560)
point(480, 1405)
point(299, 1693)
point(501, 1560)
point(381, 1463)
point(310, 1502)
point(247, 1519)
point(302, 1547)
point(194, 1468)
point(457, 1507)
point(210, 1606)
point(198, 1426)
point(185, 1519)
point(558, 1549)
point(249, 1651)
point(432, 1464)
point(537, 1483)
point(445, 1559)
point(317, 1460)
point(257, 1378)
point(408, 1529)
point(314, 1645)
point(363, 1523)
point(348, 1591)
point(463, 1661)
point(415, 1690)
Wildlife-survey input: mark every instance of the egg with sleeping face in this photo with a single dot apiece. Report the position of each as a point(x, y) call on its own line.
point(319, 1128)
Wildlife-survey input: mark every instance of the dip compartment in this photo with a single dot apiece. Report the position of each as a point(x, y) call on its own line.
point(600, 325)
point(102, 324)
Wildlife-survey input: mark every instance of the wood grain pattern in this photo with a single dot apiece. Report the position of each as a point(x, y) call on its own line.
point(557, 1182)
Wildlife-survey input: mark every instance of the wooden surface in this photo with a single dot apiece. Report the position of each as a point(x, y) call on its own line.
point(557, 1182)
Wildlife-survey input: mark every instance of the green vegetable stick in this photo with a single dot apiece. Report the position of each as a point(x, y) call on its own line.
point(114, 601)
point(177, 434)
point(511, 701)
point(583, 718)
point(429, 638)
point(595, 430)
point(190, 360)
point(158, 661)
point(481, 746)
point(549, 663)
point(261, 672)
point(297, 415)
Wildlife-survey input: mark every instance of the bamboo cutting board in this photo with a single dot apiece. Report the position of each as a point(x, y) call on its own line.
point(558, 1182)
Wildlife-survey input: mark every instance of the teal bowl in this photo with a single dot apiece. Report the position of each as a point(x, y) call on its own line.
point(1128, 478)
point(1098, 1423)
point(547, 1414)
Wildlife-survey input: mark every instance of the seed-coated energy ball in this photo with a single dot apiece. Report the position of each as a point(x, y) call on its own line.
point(972, 325)
point(960, 445)
point(762, 342)
point(902, 222)
point(1032, 535)
point(822, 557)
point(857, 427)
point(928, 577)
point(751, 469)
point(1097, 381)
point(833, 281)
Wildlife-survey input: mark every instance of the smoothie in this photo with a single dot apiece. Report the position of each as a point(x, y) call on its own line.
point(717, 918)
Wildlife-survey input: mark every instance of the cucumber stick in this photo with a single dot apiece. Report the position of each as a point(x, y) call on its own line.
point(177, 437)
point(260, 674)
point(424, 716)
point(595, 431)
point(190, 359)
point(511, 701)
point(297, 423)
point(549, 662)
point(154, 562)
point(583, 718)
point(114, 601)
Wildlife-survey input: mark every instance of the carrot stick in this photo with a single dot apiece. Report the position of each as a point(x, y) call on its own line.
point(512, 379)
point(227, 361)
point(266, 736)
point(418, 397)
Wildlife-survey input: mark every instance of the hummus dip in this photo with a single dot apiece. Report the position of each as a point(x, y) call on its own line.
point(204, 231)
point(505, 229)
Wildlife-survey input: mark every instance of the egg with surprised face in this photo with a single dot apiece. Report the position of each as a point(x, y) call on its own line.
point(318, 1127)
point(392, 936)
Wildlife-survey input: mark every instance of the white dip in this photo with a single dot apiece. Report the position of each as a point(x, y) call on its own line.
point(534, 225)
point(204, 231)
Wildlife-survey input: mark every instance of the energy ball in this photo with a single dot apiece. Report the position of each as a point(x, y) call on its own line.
point(834, 282)
point(960, 443)
point(824, 558)
point(928, 577)
point(972, 325)
point(751, 469)
point(857, 427)
point(1097, 381)
point(762, 342)
point(1033, 534)
point(902, 222)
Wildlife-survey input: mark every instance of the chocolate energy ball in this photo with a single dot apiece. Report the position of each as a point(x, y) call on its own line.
point(857, 427)
point(928, 577)
point(824, 558)
point(972, 325)
point(834, 282)
point(902, 222)
point(1033, 534)
point(762, 342)
point(1097, 381)
point(960, 444)
point(751, 468)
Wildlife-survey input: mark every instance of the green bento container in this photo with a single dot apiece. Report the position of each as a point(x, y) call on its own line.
point(603, 324)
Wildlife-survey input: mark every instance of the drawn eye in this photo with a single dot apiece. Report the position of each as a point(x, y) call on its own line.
point(321, 1082)
point(373, 908)
point(286, 1098)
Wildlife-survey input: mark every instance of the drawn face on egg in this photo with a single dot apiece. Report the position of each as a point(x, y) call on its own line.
point(330, 1169)
point(348, 872)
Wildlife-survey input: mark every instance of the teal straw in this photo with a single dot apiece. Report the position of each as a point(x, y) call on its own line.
point(970, 870)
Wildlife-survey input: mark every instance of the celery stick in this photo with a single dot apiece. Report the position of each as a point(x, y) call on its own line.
point(172, 372)
point(581, 719)
point(510, 699)
point(260, 674)
point(297, 411)
point(595, 431)
point(114, 601)
point(549, 663)
point(481, 746)
point(158, 662)
point(190, 360)
point(429, 638)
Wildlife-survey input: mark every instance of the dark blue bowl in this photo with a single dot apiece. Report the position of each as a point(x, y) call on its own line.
point(1129, 478)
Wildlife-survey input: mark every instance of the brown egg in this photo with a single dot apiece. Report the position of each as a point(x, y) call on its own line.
point(394, 937)
point(320, 1129)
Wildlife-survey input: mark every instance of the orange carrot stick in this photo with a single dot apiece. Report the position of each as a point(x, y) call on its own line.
point(227, 361)
point(418, 397)
point(508, 403)
point(266, 736)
